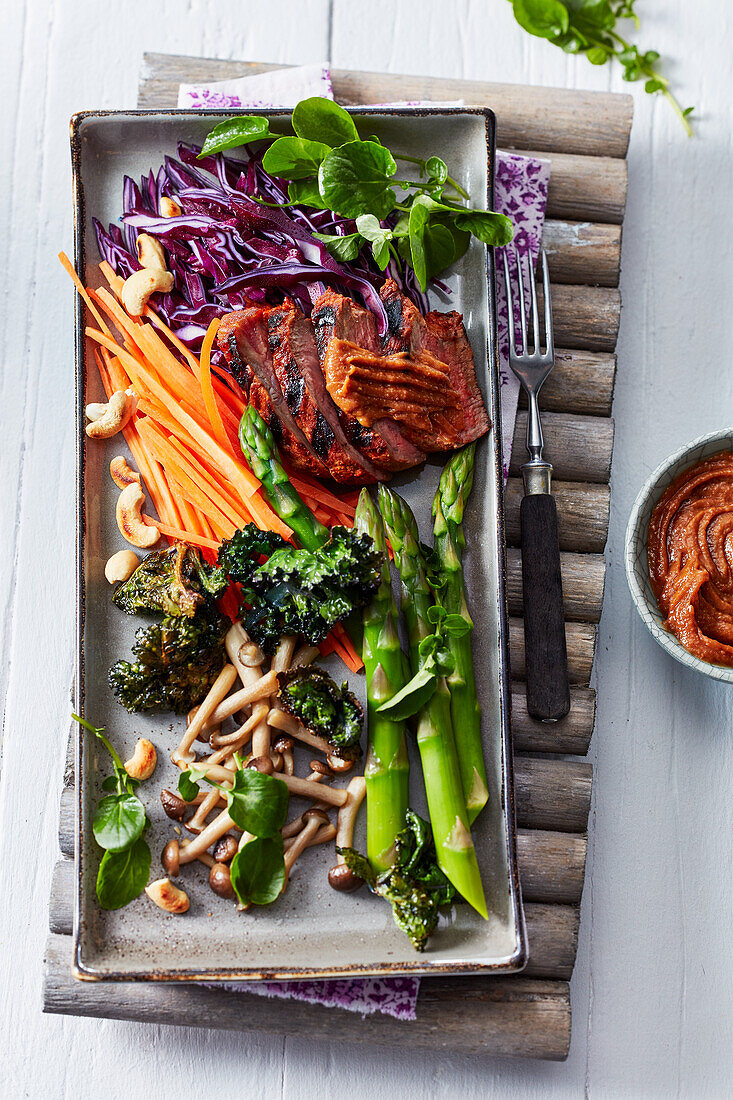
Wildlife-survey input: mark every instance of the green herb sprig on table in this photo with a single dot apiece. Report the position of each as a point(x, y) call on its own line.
point(257, 804)
point(589, 27)
point(119, 825)
point(330, 167)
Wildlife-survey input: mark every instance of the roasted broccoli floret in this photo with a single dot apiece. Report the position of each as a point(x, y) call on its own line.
point(239, 555)
point(175, 581)
point(414, 885)
point(326, 709)
point(177, 661)
point(307, 592)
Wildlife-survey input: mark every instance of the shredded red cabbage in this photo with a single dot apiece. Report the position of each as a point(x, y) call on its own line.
point(227, 249)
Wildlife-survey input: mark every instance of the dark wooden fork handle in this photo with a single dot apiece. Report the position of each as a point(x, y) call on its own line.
point(546, 659)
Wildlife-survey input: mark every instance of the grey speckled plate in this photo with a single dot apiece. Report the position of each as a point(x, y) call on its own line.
point(311, 931)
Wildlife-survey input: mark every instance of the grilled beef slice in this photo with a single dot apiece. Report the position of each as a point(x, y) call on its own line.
point(442, 336)
point(245, 345)
point(383, 443)
point(295, 360)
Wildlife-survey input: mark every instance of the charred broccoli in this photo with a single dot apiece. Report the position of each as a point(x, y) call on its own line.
point(177, 661)
point(175, 581)
point(239, 555)
point(330, 711)
point(414, 885)
point(307, 592)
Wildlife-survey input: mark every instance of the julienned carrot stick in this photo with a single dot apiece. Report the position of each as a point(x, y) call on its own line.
point(207, 388)
point(345, 648)
point(178, 535)
point(244, 480)
point(69, 268)
point(313, 492)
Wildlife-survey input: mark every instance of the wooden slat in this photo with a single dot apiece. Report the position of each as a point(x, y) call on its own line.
point(552, 794)
point(583, 578)
point(580, 382)
point(571, 735)
point(583, 252)
point(585, 317)
point(550, 119)
point(520, 1017)
point(585, 188)
point(582, 513)
point(552, 928)
point(551, 865)
point(581, 641)
point(580, 448)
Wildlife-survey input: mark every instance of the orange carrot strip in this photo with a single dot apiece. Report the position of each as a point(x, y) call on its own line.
point(343, 645)
point(225, 390)
point(189, 489)
point(207, 388)
point(313, 491)
point(241, 477)
point(178, 535)
point(115, 281)
point(205, 475)
point(69, 268)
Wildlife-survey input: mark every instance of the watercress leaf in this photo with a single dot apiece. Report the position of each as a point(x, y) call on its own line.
point(294, 158)
point(354, 179)
point(258, 803)
point(543, 18)
point(431, 245)
point(344, 248)
point(186, 786)
point(110, 783)
point(436, 169)
point(319, 119)
point(257, 871)
point(123, 875)
point(380, 252)
point(487, 226)
point(596, 12)
point(306, 193)
point(652, 86)
point(457, 625)
point(233, 132)
point(687, 111)
point(598, 55)
point(413, 696)
point(461, 239)
point(118, 821)
point(436, 614)
point(370, 227)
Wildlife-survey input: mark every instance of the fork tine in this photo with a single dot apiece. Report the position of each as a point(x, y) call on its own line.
point(510, 304)
point(522, 311)
point(548, 306)
point(535, 313)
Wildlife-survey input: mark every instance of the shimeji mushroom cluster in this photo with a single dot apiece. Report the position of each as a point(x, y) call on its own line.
point(245, 694)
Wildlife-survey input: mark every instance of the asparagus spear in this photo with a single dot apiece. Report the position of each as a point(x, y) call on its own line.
point(435, 739)
point(260, 450)
point(387, 766)
point(453, 490)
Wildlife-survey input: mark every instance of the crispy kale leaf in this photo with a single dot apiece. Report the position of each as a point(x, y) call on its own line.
point(177, 661)
point(307, 592)
point(174, 581)
point(414, 885)
point(323, 707)
point(239, 555)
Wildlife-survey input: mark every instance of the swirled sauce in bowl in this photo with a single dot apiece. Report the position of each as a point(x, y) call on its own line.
point(690, 558)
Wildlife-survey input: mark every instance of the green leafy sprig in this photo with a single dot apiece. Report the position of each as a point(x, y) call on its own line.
point(435, 661)
point(328, 166)
point(119, 825)
point(590, 27)
point(257, 804)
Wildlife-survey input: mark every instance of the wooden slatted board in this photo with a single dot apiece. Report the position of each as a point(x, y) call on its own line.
point(585, 136)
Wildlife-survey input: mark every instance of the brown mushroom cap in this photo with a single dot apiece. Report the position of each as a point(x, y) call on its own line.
point(343, 879)
point(261, 764)
point(174, 806)
point(284, 744)
point(319, 815)
point(220, 880)
point(320, 767)
point(171, 858)
point(225, 848)
point(338, 765)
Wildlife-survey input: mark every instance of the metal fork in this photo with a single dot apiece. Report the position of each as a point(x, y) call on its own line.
point(546, 662)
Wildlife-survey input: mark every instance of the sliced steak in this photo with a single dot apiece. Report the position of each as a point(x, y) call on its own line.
point(443, 337)
point(383, 443)
point(246, 347)
point(295, 360)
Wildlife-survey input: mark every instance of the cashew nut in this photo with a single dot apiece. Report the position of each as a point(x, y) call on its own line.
point(169, 208)
point(150, 252)
point(112, 417)
point(129, 518)
point(141, 764)
point(121, 566)
point(122, 473)
point(140, 285)
point(167, 896)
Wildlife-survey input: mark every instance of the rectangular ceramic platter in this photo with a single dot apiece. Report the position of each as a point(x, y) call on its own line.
point(311, 931)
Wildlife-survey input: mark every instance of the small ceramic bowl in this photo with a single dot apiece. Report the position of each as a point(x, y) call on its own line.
point(637, 572)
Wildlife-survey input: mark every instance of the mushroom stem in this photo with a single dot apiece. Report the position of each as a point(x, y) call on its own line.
point(260, 689)
point(208, 836)
point(304, 656)
point(204, 858)
point(284, 653)
point(355, 792)
point(218, 691)
point(307, 788)
point(288, 724)
point(314, 820)
point(239, 648)
point(232, 742)
point(324, 834)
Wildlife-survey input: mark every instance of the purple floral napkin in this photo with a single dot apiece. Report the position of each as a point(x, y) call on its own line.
point(521, 193)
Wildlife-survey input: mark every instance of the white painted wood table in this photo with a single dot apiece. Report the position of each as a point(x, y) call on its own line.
point(652, 990)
